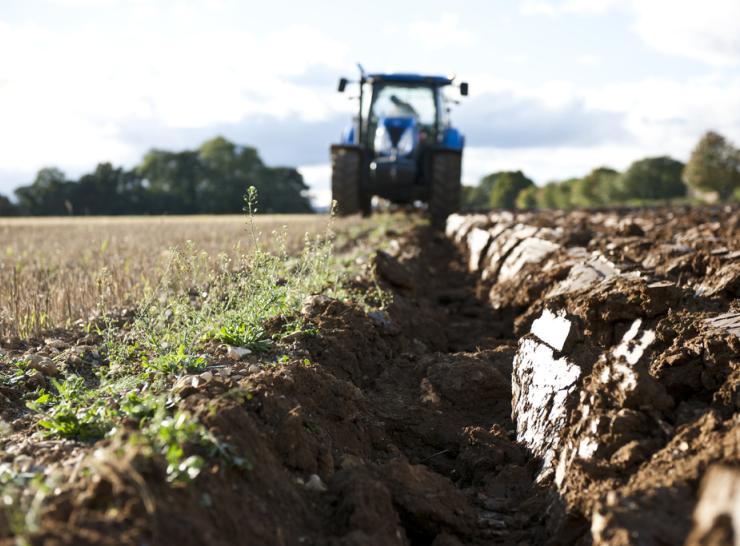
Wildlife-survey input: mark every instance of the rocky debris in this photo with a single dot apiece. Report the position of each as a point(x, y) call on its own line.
point(392, 271)
point(237, 353)
point(313, 304)
point(717, 514)
point(726, 281)
point(315, 483)
point(57, 345)
point(42, 364)
point(380, 318)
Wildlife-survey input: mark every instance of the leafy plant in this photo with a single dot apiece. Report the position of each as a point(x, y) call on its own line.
point(174, 436)
point(251, 336)
point(175, 362)
point(22, 494)
point(73, 411)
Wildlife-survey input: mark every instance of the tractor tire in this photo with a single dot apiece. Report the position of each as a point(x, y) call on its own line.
point(366, 204)
point(445, 186)
point(345, 181)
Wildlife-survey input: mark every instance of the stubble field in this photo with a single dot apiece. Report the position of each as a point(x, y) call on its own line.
point(56, 271)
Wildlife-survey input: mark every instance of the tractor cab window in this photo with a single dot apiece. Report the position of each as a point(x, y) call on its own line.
point(391, 101)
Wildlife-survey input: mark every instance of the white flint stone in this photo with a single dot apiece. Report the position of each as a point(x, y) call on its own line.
point(553, 328)
point(454, 223)
point(315, 483)
point(631, 348)
point(541, 386)
point(237, 353)
point(587, 447)
point(719, 500)
point(478, 240)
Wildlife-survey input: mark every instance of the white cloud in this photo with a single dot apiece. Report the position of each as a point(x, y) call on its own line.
point(318, 178)
point(548, 7)
point(441, 33)
point(67, 99)
point(659, 117)
point(537, 7)
point(707, 31)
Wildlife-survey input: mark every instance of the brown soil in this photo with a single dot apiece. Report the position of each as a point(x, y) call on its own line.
point(400, 430)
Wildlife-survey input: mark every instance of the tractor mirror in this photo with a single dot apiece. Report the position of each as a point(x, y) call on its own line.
point(342, 85)
point(464, 89)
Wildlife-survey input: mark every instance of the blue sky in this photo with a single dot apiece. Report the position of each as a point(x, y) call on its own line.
point(557, 86)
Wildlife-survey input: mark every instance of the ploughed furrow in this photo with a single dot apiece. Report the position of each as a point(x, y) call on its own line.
point(548, 378)
point(626, 375)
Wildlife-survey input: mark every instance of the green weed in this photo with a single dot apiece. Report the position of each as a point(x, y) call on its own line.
point(73, 411)
point(239, 334)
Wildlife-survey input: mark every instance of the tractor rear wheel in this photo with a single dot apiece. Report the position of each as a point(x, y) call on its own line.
point(345, 180)
point(445, 187)
point(366, 204)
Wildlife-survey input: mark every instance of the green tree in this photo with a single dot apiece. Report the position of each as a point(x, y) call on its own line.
point(109, 190)
point(556, 195)
point(210, 179)
point(172, 180)
point(654, 178)
point(227, 170)
point(479, 197)
point(7, 208)
point(468, 197)
point(595, 188)
point(505, 187)
point(48, 194)
point(528, 198)
point(285, 191)
point(714, 166)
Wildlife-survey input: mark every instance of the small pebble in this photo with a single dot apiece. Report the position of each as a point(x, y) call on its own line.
point(315, 483)
point(237, 353)
point(42, 364)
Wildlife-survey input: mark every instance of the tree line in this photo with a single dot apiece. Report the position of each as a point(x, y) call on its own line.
point(712, 172)
point(208, 180)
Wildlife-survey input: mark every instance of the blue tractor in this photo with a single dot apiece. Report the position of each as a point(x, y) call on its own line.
point(401, 146)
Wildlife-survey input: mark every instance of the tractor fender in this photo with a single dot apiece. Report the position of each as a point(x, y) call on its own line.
point(453, 139)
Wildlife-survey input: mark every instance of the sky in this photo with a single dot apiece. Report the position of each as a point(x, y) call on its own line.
point(557, 87)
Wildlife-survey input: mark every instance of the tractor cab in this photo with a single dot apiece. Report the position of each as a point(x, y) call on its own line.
point(401, 130)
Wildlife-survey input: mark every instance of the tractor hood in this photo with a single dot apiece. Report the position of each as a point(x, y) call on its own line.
point(396, 135)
